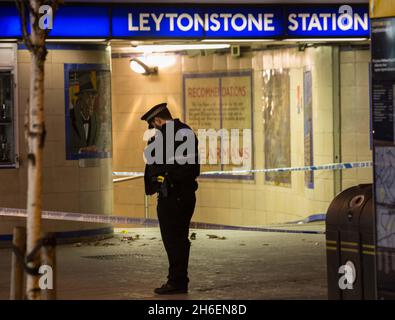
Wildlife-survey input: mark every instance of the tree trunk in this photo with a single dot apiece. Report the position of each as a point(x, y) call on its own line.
point(35, 140)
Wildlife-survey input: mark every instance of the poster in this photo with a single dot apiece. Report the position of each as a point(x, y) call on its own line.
point(88, 111)
point(218, 107)
point(383, 101)
point(385, 195)
point(277, 125)
point(308, 127)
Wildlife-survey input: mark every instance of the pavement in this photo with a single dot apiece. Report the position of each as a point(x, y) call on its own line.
point(224, 264)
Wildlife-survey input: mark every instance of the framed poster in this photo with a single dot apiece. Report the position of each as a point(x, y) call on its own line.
point(308, 127)
point(218, 107)
point(88, 111)
point(383, 121)
point(277, 125)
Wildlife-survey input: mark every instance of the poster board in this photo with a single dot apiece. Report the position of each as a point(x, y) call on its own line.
point(221, 102)
point(88, 111)
point(308, 127)
point(277, 125)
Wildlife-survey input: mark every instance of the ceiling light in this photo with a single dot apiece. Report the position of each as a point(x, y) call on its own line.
point(140, 67)
point(238, 40)
point(75, 40)
point(178, 47)
point(326, 39)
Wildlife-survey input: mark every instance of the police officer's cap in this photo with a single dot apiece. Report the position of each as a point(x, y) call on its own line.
point(153, 112)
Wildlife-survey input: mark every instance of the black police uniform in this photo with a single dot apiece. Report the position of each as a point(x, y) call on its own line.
point(176, 203)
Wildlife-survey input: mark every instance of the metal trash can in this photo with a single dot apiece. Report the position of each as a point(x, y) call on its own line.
point(350, 246)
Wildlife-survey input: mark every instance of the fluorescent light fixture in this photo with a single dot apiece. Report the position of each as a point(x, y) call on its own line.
point(178, 47)
point(326, 39)
point(238, 40)
point(8, 40)
point(75, 40)
point(140, 67)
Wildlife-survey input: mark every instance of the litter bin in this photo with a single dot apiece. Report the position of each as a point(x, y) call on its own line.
point(350, 246)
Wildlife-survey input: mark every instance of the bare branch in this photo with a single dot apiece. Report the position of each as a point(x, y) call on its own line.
point(20, 4)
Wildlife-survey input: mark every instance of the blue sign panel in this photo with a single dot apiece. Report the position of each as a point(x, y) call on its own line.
point(328, 21)
point(81, 21)
point(10, 25)
point(199, 22)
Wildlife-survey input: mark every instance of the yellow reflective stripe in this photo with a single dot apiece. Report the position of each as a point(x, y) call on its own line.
point(347, 243)
point(372, 253)
point(331, 242)
point(348, 250)
point(369, 246)
point(331, 248)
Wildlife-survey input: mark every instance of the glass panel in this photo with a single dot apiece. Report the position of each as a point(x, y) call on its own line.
point(7, 141)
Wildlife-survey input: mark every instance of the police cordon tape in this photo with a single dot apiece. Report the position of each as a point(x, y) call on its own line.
point(97, 218)
point(332, 166)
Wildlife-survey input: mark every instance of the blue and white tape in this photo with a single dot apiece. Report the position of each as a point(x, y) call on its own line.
point(97, 218)
point(332, 166)
point(71, 216)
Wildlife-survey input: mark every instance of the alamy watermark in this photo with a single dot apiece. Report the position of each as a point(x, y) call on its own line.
point(45, 281)
point(348, 277)
point(46, 20)
point(224, 146)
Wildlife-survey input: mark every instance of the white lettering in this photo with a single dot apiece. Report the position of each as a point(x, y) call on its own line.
point(345, 22)
point(215, 23)
point(256, 22)
point(144, 22)
point(314, 23)
point(294, 23)
point(171, 17)
point(226, 17)
point(334, 22)
point(184, 16)
point(131, 27)
point(325, 17)
point(268, 17)
point(200, 22)
point(304, 17)
point(358, 21)
point(243, 22)
point(157, 20)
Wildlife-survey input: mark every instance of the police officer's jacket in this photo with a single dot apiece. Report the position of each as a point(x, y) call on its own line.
point(179, 169)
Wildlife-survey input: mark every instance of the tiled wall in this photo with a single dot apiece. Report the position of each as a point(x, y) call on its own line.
point(66, 186)
point(355, 117)
point(230, 201)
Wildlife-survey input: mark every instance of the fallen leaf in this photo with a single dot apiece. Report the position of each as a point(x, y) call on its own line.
point(212, 236)
point(127, 239)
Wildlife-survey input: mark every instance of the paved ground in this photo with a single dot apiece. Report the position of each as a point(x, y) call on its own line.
point(244, 265)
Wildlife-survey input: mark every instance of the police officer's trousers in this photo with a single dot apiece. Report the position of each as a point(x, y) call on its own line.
point(174, 214)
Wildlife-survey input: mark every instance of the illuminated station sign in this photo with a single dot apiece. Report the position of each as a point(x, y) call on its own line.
point(199, 22)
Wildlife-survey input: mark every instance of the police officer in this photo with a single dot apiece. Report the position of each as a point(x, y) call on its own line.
point(173, 177)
